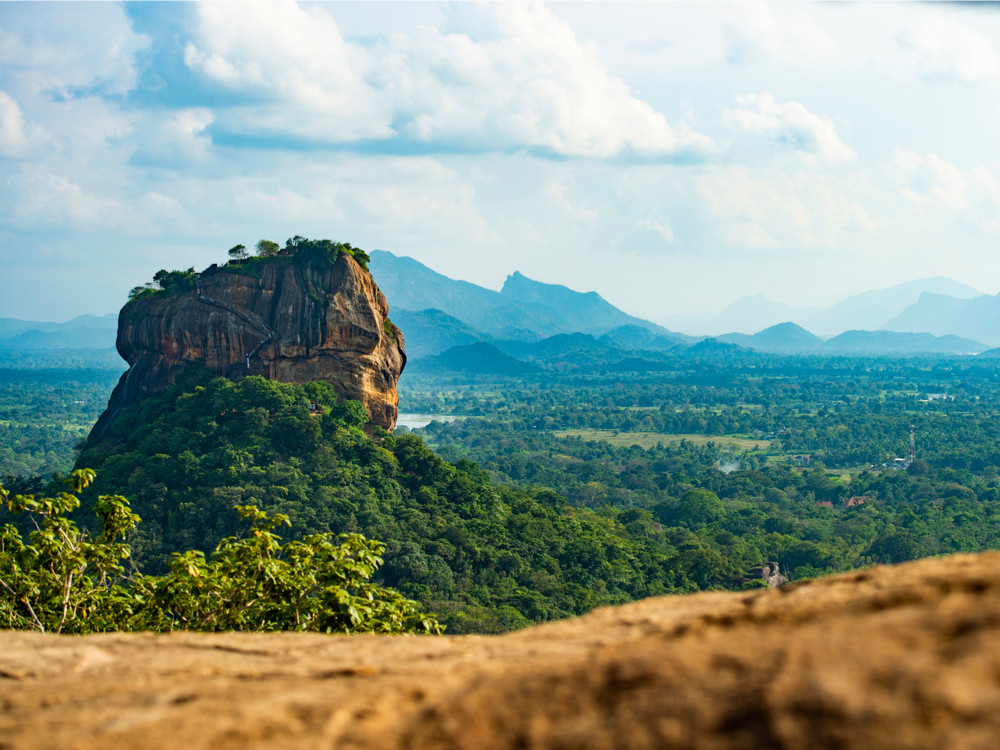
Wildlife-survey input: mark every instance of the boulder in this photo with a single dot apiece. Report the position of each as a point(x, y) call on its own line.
point(906, 657)
point(283, 319)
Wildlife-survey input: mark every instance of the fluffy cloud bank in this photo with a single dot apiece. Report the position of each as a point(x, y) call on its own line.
point(502, 77)
point(13, 139)
point(790, 125)
point(938, 188)
point(947, 49)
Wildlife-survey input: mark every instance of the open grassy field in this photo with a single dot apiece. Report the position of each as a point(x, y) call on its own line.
point(650, 439)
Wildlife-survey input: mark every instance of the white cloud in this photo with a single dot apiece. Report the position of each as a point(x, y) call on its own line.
point(756, 32)
point(930, 182)
point(532, 84)
point(13, 140)
point(304, 78)
point(78, 46)
point(53, 200)
point(790, 125)
point(176, 141)
point(556, 191)
point(947, 49)
point(769, 209)
point(501, 77)
point(943, 191)
point(662, 228)
point(986, 187)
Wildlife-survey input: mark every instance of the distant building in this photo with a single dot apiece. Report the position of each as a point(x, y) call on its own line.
point(825, 504)
point(853, 502)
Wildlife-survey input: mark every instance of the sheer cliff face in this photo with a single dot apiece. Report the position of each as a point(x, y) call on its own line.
point(288, 322)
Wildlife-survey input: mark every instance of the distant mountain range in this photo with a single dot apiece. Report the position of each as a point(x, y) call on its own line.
point(978, 317)
point(879, 309)
point(789, 338)
point(83, 332)
point(523, 310)
point(453, 326)
point(529, 324)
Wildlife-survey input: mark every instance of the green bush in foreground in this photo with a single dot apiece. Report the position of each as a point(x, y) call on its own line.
point(64, 581)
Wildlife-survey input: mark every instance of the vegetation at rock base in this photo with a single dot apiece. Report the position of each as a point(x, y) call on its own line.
point(68, 581)
point(483, 557)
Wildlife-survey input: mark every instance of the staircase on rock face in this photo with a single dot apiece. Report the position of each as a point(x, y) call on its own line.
point(243, 316)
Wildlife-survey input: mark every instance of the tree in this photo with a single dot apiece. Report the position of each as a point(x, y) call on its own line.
point(238, 252)
point(175, 281)
point(257, 583)
point(267, 249)
point(139, 291)
point(65, 581)
point(352, 413)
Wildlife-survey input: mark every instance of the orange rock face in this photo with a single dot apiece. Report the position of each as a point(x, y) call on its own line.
point(286, 321)
point(905, 657)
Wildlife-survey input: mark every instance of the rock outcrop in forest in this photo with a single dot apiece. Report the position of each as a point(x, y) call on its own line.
point(294, 318)
point(904, 657)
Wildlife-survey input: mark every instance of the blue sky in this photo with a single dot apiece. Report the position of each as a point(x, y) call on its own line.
point(671, 156)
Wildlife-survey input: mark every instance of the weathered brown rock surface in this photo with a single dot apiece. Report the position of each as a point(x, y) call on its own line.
point(286, 321)
point(900, 657)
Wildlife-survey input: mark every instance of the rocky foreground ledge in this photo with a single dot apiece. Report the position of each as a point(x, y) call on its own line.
point(891, 657)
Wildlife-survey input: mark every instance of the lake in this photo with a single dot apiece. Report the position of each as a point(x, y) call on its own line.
point(416, 421)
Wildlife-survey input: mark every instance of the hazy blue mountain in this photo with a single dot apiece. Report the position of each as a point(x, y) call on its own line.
point(637, 364)
point(714, 348)
point(873, 310)
point(410, 285)
point(565, 351)
point(583, 312)
point(427, 332)
point(640, 337)
point(783, 337)
point(524, 309)
point(789, 338)
point(865, 311)
point(82, 332)
point(894, 342)
point(479, 358)
point(753, 312)
point(12, 326)
point(977, 318)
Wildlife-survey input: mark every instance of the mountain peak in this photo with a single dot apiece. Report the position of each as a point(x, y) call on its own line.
point(523, 310)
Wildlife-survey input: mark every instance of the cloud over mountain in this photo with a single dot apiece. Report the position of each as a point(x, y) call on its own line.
point(522, 81)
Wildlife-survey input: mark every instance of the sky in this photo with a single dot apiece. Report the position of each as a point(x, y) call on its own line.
point(673, 157)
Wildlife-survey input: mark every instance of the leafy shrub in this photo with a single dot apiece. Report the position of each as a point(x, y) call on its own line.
point(172, 282)
point(66, 582)
point(324, 252)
